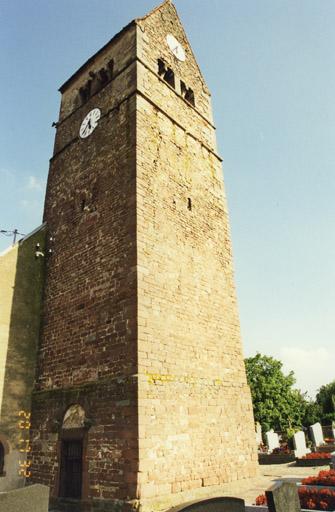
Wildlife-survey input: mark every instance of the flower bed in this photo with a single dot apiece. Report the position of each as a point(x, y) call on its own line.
point(279, 455)
point(326, 448)
point(275, 458)
point(317, 455)
point(314, 498)
point(324, 478)
point(310, 499)
point(314, 459)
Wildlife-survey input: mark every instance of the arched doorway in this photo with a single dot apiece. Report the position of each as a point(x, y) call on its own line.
point(4, 450)
point(73, 444)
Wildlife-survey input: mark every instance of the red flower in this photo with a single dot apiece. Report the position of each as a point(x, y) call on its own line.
point(261, 500)
point(317, 455)
point(325, 477)
point(314, 498)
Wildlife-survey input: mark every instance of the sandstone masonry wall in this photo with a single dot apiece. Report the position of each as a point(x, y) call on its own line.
point(195, 414)
point(140, 321)
point(21, 282)
point(88, 351)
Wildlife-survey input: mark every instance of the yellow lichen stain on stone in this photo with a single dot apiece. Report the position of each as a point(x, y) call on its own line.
point(155, 378)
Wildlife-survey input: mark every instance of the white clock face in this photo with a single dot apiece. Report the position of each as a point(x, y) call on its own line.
point(89, 123)
point(175, 47)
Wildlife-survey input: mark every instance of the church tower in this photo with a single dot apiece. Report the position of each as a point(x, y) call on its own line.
point(141, 394)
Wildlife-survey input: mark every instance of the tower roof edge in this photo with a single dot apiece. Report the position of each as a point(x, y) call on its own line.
point(113, 39)
point(161, 6)
point(155, 9)
point(134, 22)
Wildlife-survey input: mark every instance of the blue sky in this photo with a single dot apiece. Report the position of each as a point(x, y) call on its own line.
point(270, 68)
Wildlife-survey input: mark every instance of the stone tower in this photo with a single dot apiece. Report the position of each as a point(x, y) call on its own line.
point(141, 393)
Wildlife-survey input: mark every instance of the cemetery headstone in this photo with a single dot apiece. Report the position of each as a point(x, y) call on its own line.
point(333, 429)
point(259, 439)
point(316, 434)
point(35, 497)
point(299, 442)
point(272, 440)
point(283, 497)
point(220, 504)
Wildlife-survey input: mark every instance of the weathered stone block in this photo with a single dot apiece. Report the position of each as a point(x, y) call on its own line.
point(283, 497)
point(34, 497)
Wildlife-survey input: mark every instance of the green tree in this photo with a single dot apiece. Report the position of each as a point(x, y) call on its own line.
point(313, 413)
point(276, 404)
point(325, 399)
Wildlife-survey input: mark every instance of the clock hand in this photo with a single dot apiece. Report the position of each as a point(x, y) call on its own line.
point(87, 129)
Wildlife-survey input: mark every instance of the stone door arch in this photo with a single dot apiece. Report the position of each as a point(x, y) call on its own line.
point(73, 477)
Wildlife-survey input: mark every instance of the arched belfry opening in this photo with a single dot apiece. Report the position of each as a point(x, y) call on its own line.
point(73, 447)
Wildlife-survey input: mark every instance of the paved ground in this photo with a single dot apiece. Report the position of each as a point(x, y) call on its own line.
point(251, 488)
point(268, 475)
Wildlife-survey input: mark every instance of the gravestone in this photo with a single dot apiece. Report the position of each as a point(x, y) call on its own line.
point(272, 440)
point(27, 499)
point(299, 442)
point(316, 434)
point(283, 497)
point(220, 504)
point(333, 429)
point(259, 439)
